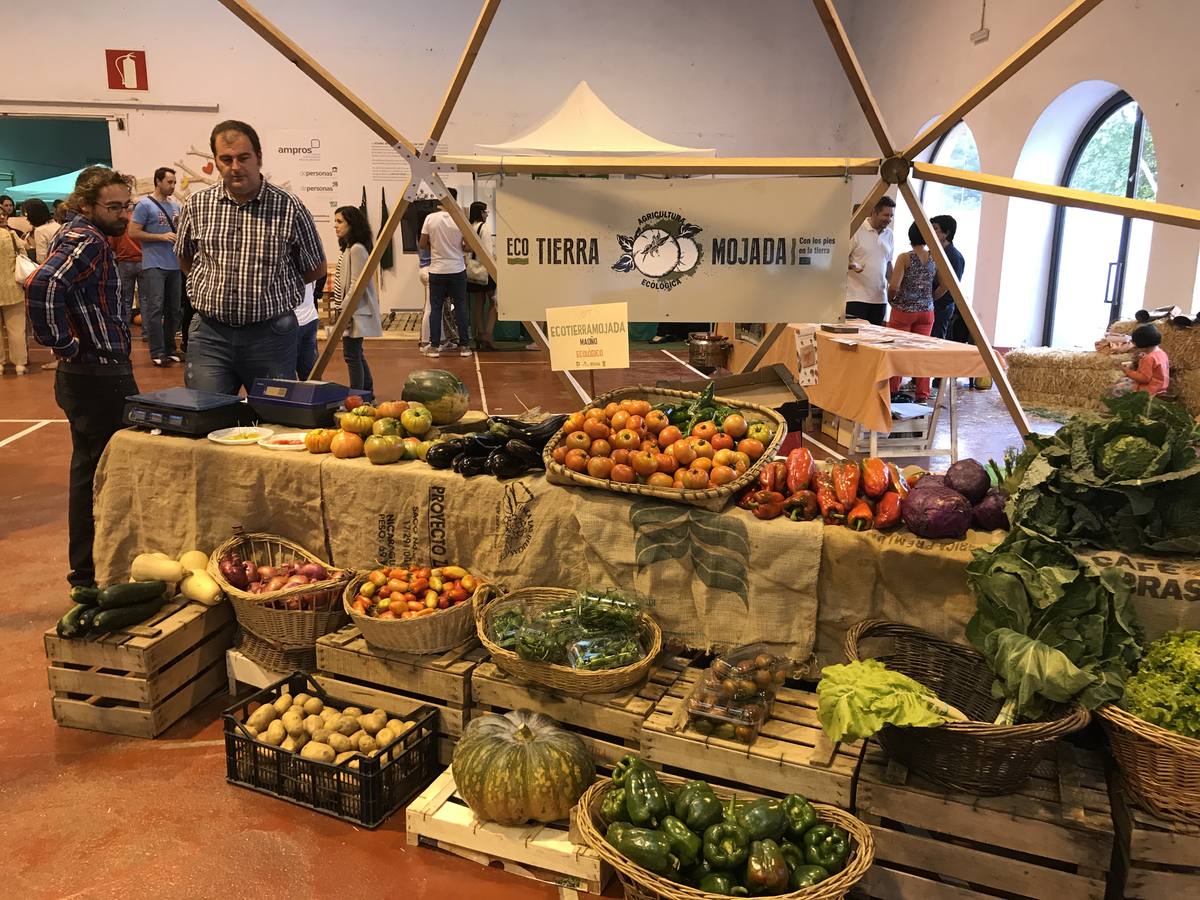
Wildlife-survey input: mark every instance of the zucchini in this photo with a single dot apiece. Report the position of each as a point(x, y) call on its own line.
point(87, 621)
point(68, 625)
point(84, 595)
point(116, 596)
point(114, 619)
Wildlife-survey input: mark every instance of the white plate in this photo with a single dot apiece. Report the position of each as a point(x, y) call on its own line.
point(269, 440)
point(245, 435)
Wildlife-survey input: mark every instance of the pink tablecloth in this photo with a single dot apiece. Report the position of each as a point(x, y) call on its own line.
point(853, 370)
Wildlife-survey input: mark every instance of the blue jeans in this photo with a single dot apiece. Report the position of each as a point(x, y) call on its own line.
point(943, 317)
point(160, 293)
point(455, 287)
point(356, 362)
point(306, 349)
point(129, 271)
point(222, 358)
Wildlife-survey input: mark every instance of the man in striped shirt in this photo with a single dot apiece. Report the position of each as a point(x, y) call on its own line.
point(77, 310)
point(248, 249)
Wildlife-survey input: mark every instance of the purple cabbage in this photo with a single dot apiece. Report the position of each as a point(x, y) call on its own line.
point(989, 514)
point(928, 481)
point(936, 512)
point(969, 478)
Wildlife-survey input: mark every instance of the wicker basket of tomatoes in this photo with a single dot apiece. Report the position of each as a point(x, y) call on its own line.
point(682, 446)
point(415, 609)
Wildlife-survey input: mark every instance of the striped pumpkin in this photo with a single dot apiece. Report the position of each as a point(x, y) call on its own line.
point(521, 766)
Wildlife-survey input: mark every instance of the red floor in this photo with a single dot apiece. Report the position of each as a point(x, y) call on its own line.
point(87, 815)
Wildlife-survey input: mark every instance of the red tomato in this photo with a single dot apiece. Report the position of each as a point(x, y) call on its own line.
point(668, 436)
point(721, 441)
point(624, 474)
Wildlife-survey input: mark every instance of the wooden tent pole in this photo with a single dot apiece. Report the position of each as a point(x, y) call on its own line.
point(947, 276)
point(482, 23)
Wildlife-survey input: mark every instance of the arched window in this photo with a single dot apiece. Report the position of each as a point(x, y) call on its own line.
point(1099, 260)
point(955, 149)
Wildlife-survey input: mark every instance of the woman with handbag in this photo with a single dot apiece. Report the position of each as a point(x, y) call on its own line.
point(15, 267)
point(354, 238)
point(481, 288)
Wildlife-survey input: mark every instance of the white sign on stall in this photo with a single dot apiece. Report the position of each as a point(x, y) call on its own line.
point(588, 337)
point(767, 249)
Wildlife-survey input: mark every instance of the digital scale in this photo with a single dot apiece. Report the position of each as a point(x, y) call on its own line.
point(301, 404)
point(183, 411)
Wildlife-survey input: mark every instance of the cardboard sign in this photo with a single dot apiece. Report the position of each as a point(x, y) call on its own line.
point(588, 337)
point(691, 250)
point(126, 70)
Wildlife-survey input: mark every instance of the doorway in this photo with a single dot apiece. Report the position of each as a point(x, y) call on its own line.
point(34, 148)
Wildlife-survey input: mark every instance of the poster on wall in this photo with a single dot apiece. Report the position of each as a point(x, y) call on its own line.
point(771, 249)
point(298, 160)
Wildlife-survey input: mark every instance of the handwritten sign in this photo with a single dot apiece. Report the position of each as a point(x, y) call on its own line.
point(588, 337)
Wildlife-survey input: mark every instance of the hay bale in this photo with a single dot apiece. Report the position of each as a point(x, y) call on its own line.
point(1062, 380)
point(1182, 345)
point(1185, 385)
point(1064, 360)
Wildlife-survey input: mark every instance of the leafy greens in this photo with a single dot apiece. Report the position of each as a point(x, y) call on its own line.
point(1166, 688)
point(858, 699)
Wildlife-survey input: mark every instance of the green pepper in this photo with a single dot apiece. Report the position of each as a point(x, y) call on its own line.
point(613, 808)
point(806, 876)
point(685, 843)
point(697, 806)
point(645, 797)
point(826, 846)
point(726, 845)
point(763, 819)
point(766, 870)
point(792, 855)
point(721, 883)
point(649, 849)
point(624, 766)
point(692, 874)
point(800, 816)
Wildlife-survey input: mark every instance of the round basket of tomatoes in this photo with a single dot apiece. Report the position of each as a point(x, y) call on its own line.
point(414, 609)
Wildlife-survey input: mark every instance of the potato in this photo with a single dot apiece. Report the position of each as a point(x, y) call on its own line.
point(366, 744)
point(352, 711)
point(293, 721)
point(372, 724)
point(294, 743)
point(380, 712)
point(313, 724)
point(339, 742)
point(321, 735)
point(313, 706)
point(346, 725)
point(385, 737)
point(329, 714)
point(318, 751)
point(357, 736)
point(262, 717)
point(344, 756)
point(274, 734)
point(396, 726)
point(353, 763)
point(283, 704)
point(301, 699)
point(253, 731)
point(374, 753)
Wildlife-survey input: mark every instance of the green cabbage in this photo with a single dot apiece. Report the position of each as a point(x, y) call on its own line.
point(1166, 688)
point(1129, 456)
point(857, 700)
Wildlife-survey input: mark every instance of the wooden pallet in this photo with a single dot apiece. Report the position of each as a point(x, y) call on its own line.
point(1052, 839)
point(141, 680)
point(439, 818)
point(610, 724)
point(241, 669)
point(791, 753)
point(1154, 858)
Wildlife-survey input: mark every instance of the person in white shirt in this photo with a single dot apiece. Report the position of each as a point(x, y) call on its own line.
point(306, 339)
point(871, 264)
point(447, 276)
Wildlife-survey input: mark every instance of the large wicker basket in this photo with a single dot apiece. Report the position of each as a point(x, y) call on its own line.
point(286, 629)
point(562, 678)
point(711, 498)
point(976, 757)
point(641, 884)
point(274, 658)
point(1160, 767)
point(436, 633)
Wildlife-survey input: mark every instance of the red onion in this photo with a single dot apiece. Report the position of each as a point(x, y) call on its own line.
point(276, 583)
point(313, 570)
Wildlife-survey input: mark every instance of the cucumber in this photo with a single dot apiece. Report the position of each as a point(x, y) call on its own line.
point(118, 595)
point(85, 595)
point(68, 625)
point(122, 617)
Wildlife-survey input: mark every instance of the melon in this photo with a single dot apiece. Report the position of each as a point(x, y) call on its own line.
point(439, 391)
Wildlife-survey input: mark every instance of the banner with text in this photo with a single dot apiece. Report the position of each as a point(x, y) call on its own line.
point(773, 249)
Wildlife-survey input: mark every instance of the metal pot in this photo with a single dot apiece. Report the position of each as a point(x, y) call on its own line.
point(708, 350)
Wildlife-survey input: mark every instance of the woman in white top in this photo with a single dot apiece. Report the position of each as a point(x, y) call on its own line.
point(12, 301)
point(354, 237)
point(44, 228)
point(482, 297)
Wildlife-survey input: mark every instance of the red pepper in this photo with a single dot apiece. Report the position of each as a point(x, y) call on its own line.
point(746, 497)
point(773, 476)
point(860, 516)
point(874, 477)
point(767, 504)
point(896, 480)
point(799, 469)
point(819, 477)
point(833, 512)
point(845, 482)
point(802, 506)
point(887, 512)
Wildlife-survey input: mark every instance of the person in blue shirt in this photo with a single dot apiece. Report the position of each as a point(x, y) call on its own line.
point(161, 282)
point(944, 312)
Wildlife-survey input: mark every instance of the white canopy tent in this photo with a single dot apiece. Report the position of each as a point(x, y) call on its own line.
point(583, 125)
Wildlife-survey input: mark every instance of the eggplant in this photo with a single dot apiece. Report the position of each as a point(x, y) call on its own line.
point(503, 464)
point(441, 456)
point(527, 454)
point(482, 444)
point(535, 434)
point(469, 466)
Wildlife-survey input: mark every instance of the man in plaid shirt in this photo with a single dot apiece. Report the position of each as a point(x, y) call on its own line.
point(77, 310)
point(248, 249)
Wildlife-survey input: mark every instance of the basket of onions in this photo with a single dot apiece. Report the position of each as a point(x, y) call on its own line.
point(280, 592)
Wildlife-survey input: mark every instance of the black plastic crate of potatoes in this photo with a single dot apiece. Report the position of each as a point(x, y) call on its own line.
point(365, 795)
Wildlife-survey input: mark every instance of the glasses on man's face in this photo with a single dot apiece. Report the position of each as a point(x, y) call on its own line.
point(117, 207)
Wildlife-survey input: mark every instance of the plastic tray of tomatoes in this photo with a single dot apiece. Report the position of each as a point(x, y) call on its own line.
point(712, 713)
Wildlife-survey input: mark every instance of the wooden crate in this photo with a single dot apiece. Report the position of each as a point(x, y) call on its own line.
point(141, 680)
point(1052, 839)
point(791, 753)
point(439, 818)
point(1154, 858)
point(610, 724)
point(241, 669)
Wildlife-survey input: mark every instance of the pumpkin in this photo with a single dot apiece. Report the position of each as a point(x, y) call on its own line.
point(441, 392)
point(521, 766)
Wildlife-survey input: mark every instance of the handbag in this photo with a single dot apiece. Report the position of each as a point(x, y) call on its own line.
point(24, 266)
point(477, 273)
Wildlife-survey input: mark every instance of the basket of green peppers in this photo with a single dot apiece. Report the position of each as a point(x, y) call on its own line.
point(671, 839)
point(577, 642)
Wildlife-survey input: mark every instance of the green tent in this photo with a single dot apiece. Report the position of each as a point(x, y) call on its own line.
point(48, 189)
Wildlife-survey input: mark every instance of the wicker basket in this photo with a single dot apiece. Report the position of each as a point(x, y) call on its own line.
point(562, 678)
point(976, 757)
point(1160, 767)
point(437, 633)
point(286, 629)
point(273, 658)
point(711, 498)
point(641, 884)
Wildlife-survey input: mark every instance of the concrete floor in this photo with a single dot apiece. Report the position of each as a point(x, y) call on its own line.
point(88, 815)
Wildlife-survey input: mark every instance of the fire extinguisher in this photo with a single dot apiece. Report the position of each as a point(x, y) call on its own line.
point(127, 69)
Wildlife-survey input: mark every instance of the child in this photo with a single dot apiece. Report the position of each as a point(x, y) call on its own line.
point(1152, 371)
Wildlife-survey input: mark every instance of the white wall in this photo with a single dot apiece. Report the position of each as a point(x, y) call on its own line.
point(919, 61)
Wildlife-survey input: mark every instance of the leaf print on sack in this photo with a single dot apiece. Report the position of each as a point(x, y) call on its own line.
point(649, 514)
point(717, 551)
point(722, 537)
point(721, 572)
point(662, 543)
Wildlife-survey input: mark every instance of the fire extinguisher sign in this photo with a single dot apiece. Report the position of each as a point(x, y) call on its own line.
point(126, 70)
